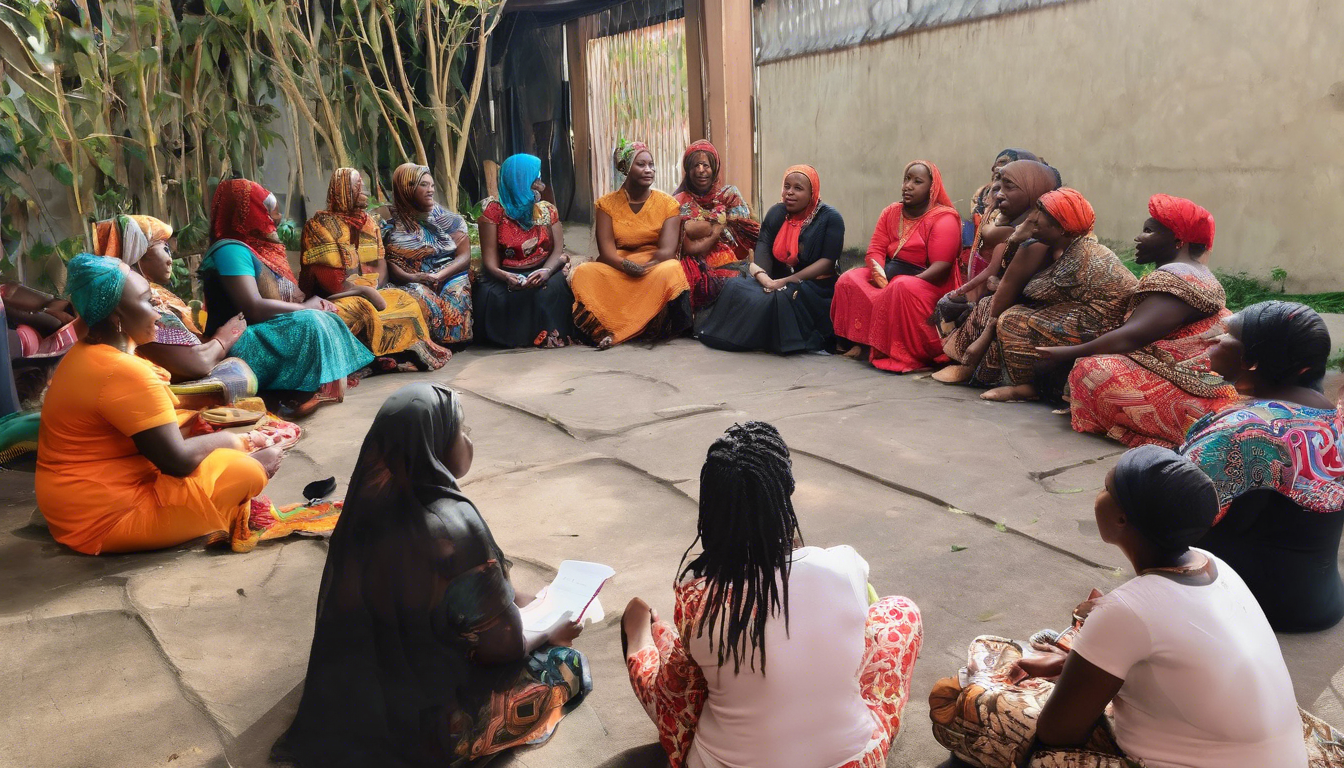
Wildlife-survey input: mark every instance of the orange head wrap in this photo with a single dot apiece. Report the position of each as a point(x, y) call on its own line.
point(1190, 223)
point(786, 240)
point(1070, 209)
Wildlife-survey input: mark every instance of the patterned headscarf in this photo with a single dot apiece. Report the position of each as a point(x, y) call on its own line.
point(239, 212)
point(785, 249)
point(625, 155)
point(156, 230)
point(1190, 223)
point(405, 179)
point(705, 199)
point(121, 238)
point(95, 284)
point(1070, 209)
point(516, 177)
point(344, 235)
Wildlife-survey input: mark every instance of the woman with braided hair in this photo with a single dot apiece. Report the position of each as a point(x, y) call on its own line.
point(1277, 463)
point(838, 673)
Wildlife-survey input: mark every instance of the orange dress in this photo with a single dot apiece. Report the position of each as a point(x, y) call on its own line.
point(97, 492)
point(607, 300)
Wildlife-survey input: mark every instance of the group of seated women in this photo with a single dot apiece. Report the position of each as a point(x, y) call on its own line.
point(780, 654)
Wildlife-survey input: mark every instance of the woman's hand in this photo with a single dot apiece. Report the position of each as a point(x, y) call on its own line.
point(269, 458)
point(1046, 663)
point(1024, 232)
point(538, 278)
point(770, 285)
point(229, 332)
point(632, 269)
point(319, 303)
point(564, 631)
point(1052, 357)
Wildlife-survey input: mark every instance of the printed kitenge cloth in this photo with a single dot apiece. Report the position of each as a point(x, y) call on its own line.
point(520, 248)
point(672, 688)
point(989, 722)
point(1155, 394)
point(719, 204)
point(428, 244)
point(1084, 294)
point(1275, 445)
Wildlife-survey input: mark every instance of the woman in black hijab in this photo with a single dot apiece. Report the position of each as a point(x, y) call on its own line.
point(419, 655)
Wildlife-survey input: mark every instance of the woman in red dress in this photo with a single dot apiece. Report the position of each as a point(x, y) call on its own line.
point(911, 263)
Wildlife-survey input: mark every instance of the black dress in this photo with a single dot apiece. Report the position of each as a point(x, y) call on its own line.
point(530, 317)
point(412, 581)
point(796, 318)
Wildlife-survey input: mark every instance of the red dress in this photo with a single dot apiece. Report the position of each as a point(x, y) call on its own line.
point(894, 320)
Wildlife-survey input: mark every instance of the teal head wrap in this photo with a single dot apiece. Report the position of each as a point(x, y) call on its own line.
point(516, 177)
point(94, 284)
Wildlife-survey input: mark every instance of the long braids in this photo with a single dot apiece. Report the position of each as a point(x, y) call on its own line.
point(746, 531)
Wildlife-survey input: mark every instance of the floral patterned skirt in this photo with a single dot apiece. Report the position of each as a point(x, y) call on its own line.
point(448, 312)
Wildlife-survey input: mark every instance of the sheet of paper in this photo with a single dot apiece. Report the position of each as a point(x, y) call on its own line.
point(574, 590)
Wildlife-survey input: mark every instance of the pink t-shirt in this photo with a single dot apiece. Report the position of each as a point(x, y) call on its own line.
point(1205, 683)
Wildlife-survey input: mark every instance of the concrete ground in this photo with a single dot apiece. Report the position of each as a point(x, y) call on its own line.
point(980, 512)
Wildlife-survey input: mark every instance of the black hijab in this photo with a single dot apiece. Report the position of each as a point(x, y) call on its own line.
point(1287, 341)
point(390, 676)
point(1165, 496)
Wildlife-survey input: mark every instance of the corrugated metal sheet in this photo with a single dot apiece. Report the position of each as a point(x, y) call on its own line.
point(788, 28)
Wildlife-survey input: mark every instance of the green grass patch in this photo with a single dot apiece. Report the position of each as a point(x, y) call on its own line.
point(1242, 289)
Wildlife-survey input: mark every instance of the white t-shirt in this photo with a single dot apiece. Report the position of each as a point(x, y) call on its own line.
point(1205, 683)
point(806, 710)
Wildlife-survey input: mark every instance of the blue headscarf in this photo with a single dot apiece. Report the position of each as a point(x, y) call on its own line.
point(515, 188)
point(94, 284)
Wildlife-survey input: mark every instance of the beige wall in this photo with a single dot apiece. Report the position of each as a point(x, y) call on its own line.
point(1236, 104)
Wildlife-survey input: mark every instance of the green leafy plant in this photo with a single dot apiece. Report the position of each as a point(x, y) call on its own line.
point(1279, 275)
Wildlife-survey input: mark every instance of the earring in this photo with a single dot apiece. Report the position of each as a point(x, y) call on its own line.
point(1179, 245)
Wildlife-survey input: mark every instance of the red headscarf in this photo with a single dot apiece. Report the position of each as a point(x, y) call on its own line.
point(1190, 223)
point(786, 240)
point(938, 197)
point(706, 200)
point(238, 212)
point(1070, 209)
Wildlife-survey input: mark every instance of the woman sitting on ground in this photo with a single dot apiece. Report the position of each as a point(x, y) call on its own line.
point(991, 232)
point(429, 254)
point(141, 243)
point(343, 262)
point(298, 348)
point(114, 473)
point(1021, 184)
point(636, 287)
point(1082, 294)
point(1278, 465)
point(522, 298)
point(1176, 667)
point(1148, 380)
point(784, 304)
point(912, 262)
point(776, 658)
point(717, 228)
point(419, 656)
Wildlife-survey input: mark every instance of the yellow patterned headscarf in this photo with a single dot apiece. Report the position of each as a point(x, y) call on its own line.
point(404, 181)
point(128, 238)
point(344, 235)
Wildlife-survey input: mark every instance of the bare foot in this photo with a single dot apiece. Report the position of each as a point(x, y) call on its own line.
point(637, 626)
point(1017, 394)
point(853, 353)
point(605, 342)
point(954, 374)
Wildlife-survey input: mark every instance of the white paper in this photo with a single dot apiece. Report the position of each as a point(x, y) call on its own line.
point(573, 590)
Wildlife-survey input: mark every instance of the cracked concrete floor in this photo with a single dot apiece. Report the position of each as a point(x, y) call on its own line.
point(189, 658)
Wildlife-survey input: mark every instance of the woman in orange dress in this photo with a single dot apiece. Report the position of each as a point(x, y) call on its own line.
point(114, 473)
point(717, 228)
point(636, 286)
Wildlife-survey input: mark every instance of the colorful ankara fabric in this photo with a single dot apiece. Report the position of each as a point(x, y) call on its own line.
point(609, 301)
point(787, 237)
point(626, 153)
point(410, 545)
point(719, 204)
point(1189, 222)
point(1275, 445)
point(97, 491)
point(1155, 394)
point(893, 319)
point(1084, 294)
point(672, 687)
point(121, 238)
point(94, 285)
point(521, 317)
point(421, 242)
point(522, 248)
point(345, 235)
point(238, 212)
point(129, 238)
point(516, 196)
point(1068, 207)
